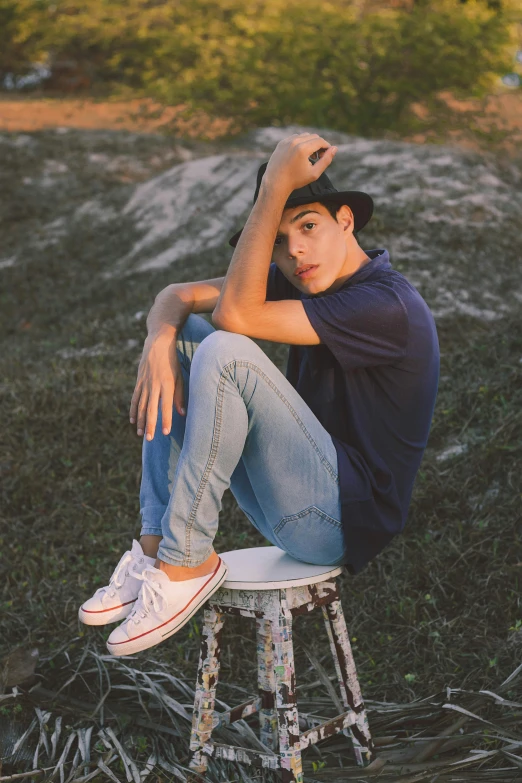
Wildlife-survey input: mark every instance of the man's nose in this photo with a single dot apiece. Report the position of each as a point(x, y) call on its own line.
point(295, 248)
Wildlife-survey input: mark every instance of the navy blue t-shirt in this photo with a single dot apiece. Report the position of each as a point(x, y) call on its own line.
point(372, 383)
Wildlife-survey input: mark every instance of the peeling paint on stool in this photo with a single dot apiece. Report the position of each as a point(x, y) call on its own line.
point(273, 611)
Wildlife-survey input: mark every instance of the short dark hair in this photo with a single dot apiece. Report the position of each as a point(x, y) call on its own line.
point(333, 208)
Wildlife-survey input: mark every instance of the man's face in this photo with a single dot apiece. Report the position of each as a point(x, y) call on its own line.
point(309, 236)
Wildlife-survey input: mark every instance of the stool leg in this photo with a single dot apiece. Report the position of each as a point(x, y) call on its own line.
point(266, 684)
point(349, 684)
point(206, 684)
point(286, 705)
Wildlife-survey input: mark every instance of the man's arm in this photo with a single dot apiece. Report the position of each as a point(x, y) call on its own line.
point(204, 293)
point(242, 305)
point(159, 371)
point(282, 321)
point(177, 301)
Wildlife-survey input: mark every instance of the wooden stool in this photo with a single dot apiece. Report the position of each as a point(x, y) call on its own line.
point(266, 583)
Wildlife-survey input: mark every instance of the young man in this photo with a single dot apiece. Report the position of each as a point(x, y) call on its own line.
point(322, 461)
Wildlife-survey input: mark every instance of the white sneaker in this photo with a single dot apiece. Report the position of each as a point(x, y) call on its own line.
point(162, 608)
point(114, 602)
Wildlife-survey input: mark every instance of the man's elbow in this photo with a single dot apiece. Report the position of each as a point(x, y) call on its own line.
point(237, 321)
point(226, 322)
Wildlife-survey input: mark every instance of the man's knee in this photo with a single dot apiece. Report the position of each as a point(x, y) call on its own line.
point(221, 347)
point(221, 341)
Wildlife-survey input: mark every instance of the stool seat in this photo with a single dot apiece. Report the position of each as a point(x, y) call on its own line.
point(269, 568)
point(271, 587)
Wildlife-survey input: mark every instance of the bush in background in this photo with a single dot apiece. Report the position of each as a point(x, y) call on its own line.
point(273, 61)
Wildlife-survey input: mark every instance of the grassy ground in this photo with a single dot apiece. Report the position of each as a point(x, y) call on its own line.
point(439, 608)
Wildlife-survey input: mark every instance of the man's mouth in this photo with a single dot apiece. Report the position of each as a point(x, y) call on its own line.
point(306, 270)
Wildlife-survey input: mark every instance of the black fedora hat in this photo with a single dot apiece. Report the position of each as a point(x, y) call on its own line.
point(322, 190)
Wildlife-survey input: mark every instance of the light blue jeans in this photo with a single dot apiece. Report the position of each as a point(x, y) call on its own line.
point(246, 428)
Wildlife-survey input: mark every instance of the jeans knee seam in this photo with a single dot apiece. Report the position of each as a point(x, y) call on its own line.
point(244, 363)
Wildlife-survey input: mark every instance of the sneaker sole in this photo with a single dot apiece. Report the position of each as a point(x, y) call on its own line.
point(105, 616)
point(157, 635)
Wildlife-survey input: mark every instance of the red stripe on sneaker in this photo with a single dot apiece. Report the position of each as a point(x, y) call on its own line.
point(133, 638)
point(101, 611)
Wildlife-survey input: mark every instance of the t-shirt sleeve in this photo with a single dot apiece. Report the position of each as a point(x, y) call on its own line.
point(364, 326)
point(278, 287)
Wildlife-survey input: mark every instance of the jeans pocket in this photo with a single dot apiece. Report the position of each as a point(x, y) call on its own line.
point(312, 536)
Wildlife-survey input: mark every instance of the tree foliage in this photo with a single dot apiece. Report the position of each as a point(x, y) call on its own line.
point(274, 61)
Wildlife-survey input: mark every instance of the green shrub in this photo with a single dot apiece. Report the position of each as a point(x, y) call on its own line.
point(275, 61)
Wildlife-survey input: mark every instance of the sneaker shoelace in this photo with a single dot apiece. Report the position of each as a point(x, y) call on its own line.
point(120, 573)
point(151, 594)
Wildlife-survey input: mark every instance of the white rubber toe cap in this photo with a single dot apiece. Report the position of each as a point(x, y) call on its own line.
point(93, 612)
point(119, 635)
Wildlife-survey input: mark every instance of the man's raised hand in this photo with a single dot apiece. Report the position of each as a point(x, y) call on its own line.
point(290, 166)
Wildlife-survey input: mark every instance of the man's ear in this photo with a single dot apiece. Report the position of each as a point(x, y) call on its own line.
point(345, 217)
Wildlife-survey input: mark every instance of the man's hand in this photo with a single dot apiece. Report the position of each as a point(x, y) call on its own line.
point(289, 165)
point(159, 377)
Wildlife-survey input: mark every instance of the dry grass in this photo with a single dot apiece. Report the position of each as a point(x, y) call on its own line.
point(131, 722)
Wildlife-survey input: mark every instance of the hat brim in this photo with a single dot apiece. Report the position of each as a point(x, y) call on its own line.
point(359, 202)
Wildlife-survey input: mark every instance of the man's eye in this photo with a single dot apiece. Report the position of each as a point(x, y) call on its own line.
point(309, 224)
point(277, 240)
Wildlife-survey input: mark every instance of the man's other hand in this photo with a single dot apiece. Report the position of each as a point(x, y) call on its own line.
point(159, 378)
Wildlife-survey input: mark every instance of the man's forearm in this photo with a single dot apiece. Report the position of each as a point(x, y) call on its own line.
point(170, 310)
point(244, 287)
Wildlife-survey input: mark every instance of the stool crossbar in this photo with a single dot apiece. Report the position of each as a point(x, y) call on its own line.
point(268, 585)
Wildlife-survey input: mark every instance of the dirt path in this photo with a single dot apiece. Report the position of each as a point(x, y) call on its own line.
point(139, 115)
point(497, 117)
